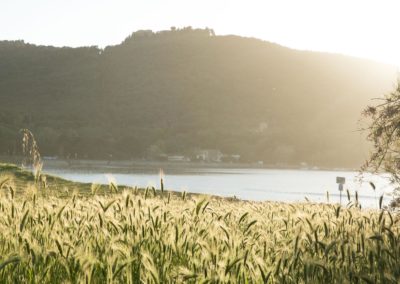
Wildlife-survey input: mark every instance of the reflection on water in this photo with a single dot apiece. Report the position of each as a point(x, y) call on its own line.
point(249, 184)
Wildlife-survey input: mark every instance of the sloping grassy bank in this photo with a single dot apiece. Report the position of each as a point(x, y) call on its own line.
point(21, 180)
point(148, 236)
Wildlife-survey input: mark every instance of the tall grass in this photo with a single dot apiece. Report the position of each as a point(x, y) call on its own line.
point(138, 237)
point(32, 155)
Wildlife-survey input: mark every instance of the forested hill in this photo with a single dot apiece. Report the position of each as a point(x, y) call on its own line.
point(177, 91)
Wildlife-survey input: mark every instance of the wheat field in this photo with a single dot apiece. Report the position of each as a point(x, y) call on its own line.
point(151, 236)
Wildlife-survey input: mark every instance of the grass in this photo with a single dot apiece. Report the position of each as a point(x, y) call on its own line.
point(62, 188)
point(149, 236)
point(59, 187)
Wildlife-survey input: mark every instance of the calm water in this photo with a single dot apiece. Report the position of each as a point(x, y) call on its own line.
point(249, 184)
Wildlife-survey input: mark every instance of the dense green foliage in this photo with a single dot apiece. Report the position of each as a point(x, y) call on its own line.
point(181, 90)
point(151, 237)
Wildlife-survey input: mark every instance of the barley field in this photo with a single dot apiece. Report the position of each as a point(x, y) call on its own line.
point(149, 236)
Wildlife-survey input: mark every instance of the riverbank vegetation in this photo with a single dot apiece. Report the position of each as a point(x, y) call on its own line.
point(127, 235)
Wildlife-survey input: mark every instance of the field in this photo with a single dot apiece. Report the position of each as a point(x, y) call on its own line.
point(56, 231)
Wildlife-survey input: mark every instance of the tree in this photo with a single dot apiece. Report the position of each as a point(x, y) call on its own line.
point(384, 133)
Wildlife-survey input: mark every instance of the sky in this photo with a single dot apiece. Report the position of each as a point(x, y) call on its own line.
point(368, 29)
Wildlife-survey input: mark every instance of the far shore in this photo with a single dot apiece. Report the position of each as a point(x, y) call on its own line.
point(137, 164)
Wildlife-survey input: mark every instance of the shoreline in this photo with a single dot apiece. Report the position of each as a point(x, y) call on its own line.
point(24, 175)
point(50, 163)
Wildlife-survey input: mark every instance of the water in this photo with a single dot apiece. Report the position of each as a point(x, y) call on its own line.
point(248, 184)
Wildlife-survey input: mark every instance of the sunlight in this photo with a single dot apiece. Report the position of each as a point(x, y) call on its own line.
point(277, 123)
point(367, 29)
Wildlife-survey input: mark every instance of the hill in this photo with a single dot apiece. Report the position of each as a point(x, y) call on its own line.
point(182, 90)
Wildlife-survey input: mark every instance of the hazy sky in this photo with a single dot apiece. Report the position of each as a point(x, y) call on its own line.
point(365, 28)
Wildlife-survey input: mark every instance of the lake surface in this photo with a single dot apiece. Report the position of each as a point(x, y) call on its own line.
point(248, 184)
